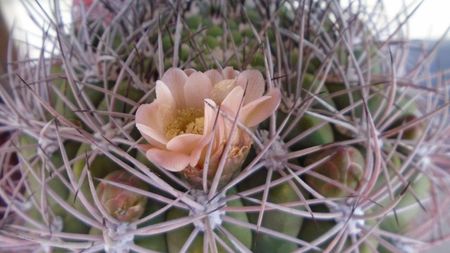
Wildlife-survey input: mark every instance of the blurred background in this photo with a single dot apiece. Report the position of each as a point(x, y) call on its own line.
point(429, 22)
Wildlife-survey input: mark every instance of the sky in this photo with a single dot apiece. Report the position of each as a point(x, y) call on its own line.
point(430, 21)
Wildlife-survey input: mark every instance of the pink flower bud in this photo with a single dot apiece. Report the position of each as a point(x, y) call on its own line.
point(124, 205)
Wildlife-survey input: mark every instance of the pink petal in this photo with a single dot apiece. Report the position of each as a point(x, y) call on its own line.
point(221, 90)
point(184, 143)
point(212, 118)
point(144, 147)
point(197, 88)
point(210, 115)
point(229, 73)
point(146, 114)
point(163, 94)
point(169, 160)
point(260, 109)
point(221, 131)
point(153, 136)
point(232, 101)
point(214, 76)
point(189, 144)
point(151, 120)
point(175, 79)
point(195, 156)
point(230, 106)
point(189, 71)
point(255, 83)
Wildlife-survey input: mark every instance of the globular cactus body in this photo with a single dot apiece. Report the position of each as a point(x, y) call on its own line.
point(222, 126)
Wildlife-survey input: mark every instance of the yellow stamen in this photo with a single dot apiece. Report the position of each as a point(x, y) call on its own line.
point(188, 120)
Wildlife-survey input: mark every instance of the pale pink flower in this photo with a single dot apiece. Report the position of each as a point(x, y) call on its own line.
point(179, 123)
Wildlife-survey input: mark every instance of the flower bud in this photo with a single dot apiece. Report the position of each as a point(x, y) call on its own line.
point(125, 206)
point(411, 133)
point(345, 167)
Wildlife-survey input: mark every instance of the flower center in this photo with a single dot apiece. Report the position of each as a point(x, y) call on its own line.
point(186, 121)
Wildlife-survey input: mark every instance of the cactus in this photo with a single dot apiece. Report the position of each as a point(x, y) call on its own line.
point(222, 126)
point(343, 167)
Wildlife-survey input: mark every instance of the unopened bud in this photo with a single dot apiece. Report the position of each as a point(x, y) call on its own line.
point(124, 205)
point(410, 133)
point(345, 167)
